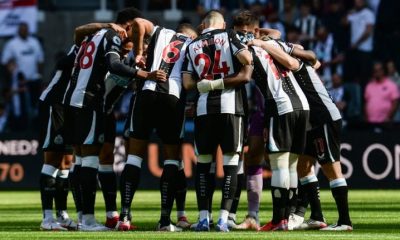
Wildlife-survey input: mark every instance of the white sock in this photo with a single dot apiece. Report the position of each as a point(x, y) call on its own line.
point(88, 219)
point(47, 215)
point(232, 216)
point(253, 214)
point(203, 215)
point(180, 214)
point(111, 214)
point(223, 214)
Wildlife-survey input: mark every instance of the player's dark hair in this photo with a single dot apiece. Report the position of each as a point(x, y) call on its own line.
point(244, 17)
point(181, 27)
point(127, 14)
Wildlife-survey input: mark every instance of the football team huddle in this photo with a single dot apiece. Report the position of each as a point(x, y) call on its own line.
point(296, 123)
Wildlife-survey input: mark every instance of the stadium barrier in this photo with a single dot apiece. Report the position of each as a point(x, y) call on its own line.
point(369, 160)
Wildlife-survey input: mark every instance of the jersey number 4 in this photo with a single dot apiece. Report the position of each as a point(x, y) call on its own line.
point(216, 69)
point(86, 58)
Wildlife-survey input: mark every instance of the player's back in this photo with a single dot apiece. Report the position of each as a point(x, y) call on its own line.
point(212, 56)
point(53, 94)
point(86, 88)
point(166, 51)
point(281, 92)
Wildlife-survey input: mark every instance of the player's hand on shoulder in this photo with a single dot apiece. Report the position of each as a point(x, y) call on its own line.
point(121, 31)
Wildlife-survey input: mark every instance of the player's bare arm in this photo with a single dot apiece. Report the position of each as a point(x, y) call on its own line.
point(116, 66)
point(82, 31)
point(188, 81)
point(272, 33)
point(141, 28)
point(277, 53)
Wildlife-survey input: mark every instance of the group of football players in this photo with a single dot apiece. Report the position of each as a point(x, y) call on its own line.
point(296, 124)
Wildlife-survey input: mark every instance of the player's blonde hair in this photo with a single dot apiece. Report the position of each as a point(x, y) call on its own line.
point(213, 18)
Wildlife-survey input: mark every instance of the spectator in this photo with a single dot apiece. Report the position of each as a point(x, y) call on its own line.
point(327, 53)
point(381, 97)
point(308, 24)
point(394, 75)
point(206, 5)
point(18, 99)
point(289, 13)
point(359, 58)
point(28, 56)
point(339, 94)
point(333, 20)
point(273, 21)
point(3, 118)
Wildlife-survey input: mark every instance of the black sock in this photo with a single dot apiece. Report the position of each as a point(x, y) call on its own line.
point(181, 189)
point(229, 187)
point(211, 190)
point(279, 201)
point(88, 189)
point(312, 190)
point(236, 199)
point(62, 189)
point(130, 179)
point(74, 180)
point(108, 182)
point(202, 186)
point(292, 202)
point(341, 198)
point(167, 190)
point(47, 191)
point(302, 202)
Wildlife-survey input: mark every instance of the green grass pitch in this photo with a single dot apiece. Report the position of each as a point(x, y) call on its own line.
point(375, 215)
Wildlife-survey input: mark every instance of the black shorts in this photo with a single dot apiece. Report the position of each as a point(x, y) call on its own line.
point(110, 128)
point(323, 142)
point(84, 126)
point(226, 130)
point(287, 133)
point(157, 111)
point(52, 128)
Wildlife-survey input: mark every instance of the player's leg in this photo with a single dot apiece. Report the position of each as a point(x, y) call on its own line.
point(180, 198)
point(235, 204)
point(106, 175)
point(254, 178)
point(281, 131)
point(62, 190)
point(332, 170)
point(90, 137)
point(231, 146)
point(206, 143)
point(52, 161)
point(170, 130)
point(141, 125)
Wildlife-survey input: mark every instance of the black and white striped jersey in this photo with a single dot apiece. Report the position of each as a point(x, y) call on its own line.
point(55, 90)
point(322, 107)
point(281, 91)
point(86, 87)
point(212, 56)
point(166, 51)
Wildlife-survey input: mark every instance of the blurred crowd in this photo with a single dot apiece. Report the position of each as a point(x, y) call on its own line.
point(356, 41)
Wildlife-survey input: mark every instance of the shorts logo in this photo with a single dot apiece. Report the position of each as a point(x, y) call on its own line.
point(101, 138)
point(58, 140)
point(320, 148)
